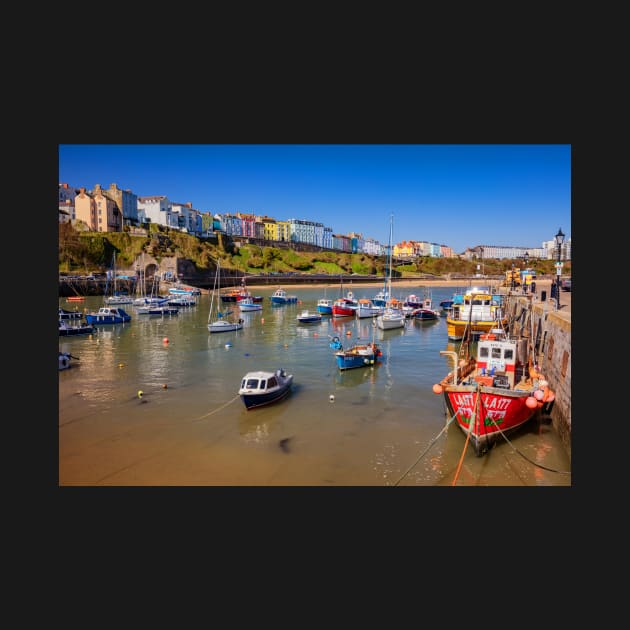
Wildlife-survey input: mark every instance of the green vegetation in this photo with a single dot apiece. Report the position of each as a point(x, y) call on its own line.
point(89, 252)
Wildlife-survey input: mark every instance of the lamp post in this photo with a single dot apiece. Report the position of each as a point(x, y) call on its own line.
point(512, 278)
point(526, 270)
point(559, 240)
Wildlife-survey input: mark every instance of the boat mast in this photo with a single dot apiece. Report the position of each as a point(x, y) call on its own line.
point(389, 270)
point(214, 288)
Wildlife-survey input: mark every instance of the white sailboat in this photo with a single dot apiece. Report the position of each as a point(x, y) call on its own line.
point(392, 316)
point(217, 321)
point(142, 298)
point(116, 298)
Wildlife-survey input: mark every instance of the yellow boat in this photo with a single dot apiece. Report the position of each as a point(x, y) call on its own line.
point(479, 309)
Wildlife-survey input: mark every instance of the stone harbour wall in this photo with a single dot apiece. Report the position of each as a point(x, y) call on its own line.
point(550, 330)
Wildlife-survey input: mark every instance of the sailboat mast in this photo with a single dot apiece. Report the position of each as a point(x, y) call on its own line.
point(214, 289)
point(114, 272)
point(391, 230)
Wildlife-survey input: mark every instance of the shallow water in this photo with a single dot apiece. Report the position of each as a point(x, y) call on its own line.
point(155, 402)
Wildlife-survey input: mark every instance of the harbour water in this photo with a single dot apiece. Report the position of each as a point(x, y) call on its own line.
point(154, 402)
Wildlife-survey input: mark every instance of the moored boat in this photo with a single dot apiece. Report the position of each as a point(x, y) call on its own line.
point(70, 330)
point(218, 321)
point(495, 392)
point(479, 311)
point(280, 296)
point(425, 310)
point(261, 388)
point(393, 315)
point(157, 310)
point(182, 289)
point(324, 306)
point(345, 306)
point(108, 315)
point(65, 314)
point(367, 308)
point(247, 305)
point(307, 317)
point(182, 299)
point(358, 355)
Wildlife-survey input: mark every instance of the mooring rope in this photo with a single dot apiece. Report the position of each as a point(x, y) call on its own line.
point(426, 450)
point(560, 472)
point(205, 415)
point(473, 418)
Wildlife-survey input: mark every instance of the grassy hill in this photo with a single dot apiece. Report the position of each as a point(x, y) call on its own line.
point(92, 252)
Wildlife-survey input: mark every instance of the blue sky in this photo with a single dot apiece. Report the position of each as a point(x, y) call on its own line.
point(456, 195)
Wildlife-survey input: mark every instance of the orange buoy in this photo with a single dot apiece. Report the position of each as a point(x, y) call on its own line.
point(165, 340)
point(531, 402)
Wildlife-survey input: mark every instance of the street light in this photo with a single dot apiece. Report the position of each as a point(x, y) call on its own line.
point(559, 240)
point(512, 278)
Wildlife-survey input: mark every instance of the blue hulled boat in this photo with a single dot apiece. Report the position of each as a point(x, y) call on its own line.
point(108, 315)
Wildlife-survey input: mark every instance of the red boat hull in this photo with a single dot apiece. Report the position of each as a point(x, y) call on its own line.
point(499, 411)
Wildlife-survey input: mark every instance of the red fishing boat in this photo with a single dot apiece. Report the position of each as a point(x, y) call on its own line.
point(345, 306)
point(496, 391)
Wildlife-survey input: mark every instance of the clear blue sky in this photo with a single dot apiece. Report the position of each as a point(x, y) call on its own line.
point(456, 195)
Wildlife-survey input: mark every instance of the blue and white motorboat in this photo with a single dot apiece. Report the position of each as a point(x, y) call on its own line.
point(324, 306)
point(108, 315)
point(280, 296)
point(263, 388)
point(247, 305)
point(359, 355)
point(306, 317)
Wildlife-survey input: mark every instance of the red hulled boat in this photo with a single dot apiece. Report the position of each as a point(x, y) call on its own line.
point(495, 392)
point(345, 306)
